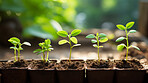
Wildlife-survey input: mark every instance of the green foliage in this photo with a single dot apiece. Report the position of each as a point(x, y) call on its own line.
point(17, 46)
point(121, 46)
point(41, 18)
point(71, 39)
point(45, 47)
point(98, 38)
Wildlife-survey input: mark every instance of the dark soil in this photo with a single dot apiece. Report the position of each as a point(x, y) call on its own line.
point(12, 64)
point(39, 64)
point(133, 64)
point(66, 65)
point(101, 64)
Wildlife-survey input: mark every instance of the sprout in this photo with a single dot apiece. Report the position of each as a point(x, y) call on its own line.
point(71, 38)
point(45, 47)
point(98, 38)
point(16, 42)
point(121, 46)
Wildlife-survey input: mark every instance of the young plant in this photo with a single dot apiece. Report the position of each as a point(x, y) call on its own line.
point(125, 28)
point(98, 38)
point(45, 47)
point(17, 46)
point(71, 39)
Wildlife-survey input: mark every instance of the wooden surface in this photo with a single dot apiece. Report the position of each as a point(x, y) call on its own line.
point(143, 17)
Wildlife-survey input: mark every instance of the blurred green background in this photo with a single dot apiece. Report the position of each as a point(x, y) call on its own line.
point(43, 18)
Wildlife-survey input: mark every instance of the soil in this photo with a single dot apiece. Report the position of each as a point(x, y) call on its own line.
point(12, 64)
point(101, 64)
point(66, 65)
point(39, 64)
point(133, 64)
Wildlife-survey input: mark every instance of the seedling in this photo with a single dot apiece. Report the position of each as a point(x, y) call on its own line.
point(71, 39)
point(125, 28)
point(45, 47)
point(98, 38)
point(17, 46)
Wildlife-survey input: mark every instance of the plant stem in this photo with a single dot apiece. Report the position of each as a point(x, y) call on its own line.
point(15, 54)
point(47, 56)
point(43, 57)
point(127, 44)
point(98, 48)
point(18, 55)
point(70, 48)
point(70, 54)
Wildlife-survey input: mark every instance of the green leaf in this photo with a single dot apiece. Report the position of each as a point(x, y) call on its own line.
point(27, 43)
point(13, 47)
point(100, 46)
point(37, 50)
point(95, 45)
point(47, 42)
point(20, 48)
point(121, 27)
point(62, 42)
point(129, 25)
point(93, 41)
point(102, 35)
point(135, 47)
point(14, 40)
point(41, 44)
point(77, 45)
point(120, 39)
point(62, 33)
point(74, 40)
point(75, 32)
point(103, 39)
point(90, 36)
point(120, 47)
point(132, 31)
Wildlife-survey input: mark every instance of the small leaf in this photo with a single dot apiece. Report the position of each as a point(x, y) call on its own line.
point(77, 45)
point(129, 25)
point(120, 47)
point(20, 48)
point(74, 40)
point(120, 39)
point(90, 36)
point(100, 46)
point(135, 47)
point(27, 43)
point(95, 45)
point(41, 44)
point(62, 33)
point(93, 41)
point(62, 42)
point(121, 27)
point(103, 39)
point(37, 50)
point(75, 32)
point(13, 47)
point(132, 31)
point(47, 42)
point(14, 40)
point(102, 35)
point(51, 48)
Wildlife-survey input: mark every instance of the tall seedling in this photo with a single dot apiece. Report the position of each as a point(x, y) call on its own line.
point(125, 28)
point(98, 38)
point(71, 39)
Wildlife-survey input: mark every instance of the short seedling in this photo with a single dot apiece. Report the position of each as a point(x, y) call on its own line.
point(71, 39)
point(17, 46)
point(45, 47)
point(98, 38)
point(121, 46)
